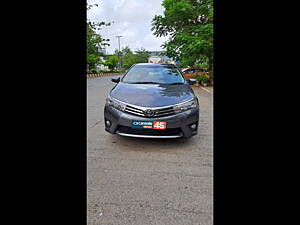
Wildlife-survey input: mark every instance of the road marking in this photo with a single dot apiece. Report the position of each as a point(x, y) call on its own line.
point(206, 90)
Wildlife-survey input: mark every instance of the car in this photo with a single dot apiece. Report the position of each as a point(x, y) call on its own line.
point(152, 101)
point(191, 72)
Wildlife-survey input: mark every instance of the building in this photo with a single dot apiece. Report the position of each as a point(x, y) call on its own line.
point(156, 53)
point(165, 59)
point(102, 50)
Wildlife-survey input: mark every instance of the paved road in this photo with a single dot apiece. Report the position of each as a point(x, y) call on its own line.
point(142, 181)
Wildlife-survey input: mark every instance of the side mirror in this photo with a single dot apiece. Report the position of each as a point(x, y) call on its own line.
point(115, 80)
point(191, 81)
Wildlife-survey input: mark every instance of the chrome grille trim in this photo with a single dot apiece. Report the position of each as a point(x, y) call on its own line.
point(164, 114)
point(153, 108)
point(159, 111)
point(135, 113)
point(134, 109)
point(167, 110)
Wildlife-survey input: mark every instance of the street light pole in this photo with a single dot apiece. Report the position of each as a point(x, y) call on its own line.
point(119, 57)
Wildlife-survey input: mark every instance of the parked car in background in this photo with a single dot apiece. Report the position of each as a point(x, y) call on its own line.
point(191, 72)
point(155, 59)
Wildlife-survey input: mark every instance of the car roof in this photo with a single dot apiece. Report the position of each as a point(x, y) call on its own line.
point(156, 65)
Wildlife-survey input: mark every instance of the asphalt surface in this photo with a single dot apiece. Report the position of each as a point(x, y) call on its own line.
point(148, 181)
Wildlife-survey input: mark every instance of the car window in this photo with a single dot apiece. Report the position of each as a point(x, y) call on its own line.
point(155, 74)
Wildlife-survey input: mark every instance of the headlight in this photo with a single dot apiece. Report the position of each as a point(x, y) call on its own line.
point(115, 103)
point(193, 104)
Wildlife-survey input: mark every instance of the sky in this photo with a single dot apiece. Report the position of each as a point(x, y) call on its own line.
point(130, 19)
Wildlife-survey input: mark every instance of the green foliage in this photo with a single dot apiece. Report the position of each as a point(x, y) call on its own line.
point(127, 57)
point(104, 71)
point(142, 55)
point(92, 59)
point(128, 61)
point(202, 77)
point(93, 71)
point(201, 65)
point(94, 42)
point(197, 77)
point(111, 62)
point(119, 71)
point(126, 51)
point(189, 23)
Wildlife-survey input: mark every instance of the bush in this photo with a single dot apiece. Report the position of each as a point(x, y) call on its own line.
point(197, 76)
point(202, 77)
point(93, 71)
point(118, 71)
point(203, 65)
point(104, 71)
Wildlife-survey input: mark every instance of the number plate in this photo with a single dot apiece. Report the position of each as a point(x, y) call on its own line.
point(158, 125)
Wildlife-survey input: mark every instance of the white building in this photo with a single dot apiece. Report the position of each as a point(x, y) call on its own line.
point(102, 67)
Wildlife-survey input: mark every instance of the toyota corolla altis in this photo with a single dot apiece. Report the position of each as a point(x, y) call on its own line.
point(152, 101)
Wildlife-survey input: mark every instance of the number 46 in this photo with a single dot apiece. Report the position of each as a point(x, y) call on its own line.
point(159, 125)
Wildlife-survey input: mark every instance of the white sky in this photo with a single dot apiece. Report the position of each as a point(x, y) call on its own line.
point(131, 19)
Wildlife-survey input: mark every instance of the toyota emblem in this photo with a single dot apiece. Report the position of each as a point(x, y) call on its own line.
point(149, 113)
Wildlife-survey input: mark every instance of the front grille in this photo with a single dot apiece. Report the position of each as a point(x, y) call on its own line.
point(164, 112)
point(167, 111)
point(168, 131)
point(134, 111)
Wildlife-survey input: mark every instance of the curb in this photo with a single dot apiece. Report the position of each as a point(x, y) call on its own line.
point(93, 75)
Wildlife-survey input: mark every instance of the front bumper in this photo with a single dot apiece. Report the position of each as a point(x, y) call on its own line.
point(177, 125)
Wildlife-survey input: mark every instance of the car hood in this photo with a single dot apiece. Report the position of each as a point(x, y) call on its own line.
point(152, 95)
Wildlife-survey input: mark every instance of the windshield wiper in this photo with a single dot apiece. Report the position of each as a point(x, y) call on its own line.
point(145, 82)
point(175, 83)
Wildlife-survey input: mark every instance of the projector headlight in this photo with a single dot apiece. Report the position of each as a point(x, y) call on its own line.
point(192, 104)
point(115, 103)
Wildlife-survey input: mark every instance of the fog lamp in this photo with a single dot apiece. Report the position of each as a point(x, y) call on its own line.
point(193, 126)
point(108, 123)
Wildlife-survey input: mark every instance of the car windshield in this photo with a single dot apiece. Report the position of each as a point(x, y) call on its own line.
point(148, 74)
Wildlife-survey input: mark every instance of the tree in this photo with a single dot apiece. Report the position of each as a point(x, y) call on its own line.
point(111, 62)
point(128, 60)
point(142, 55)
point(126, 51)
point(94, 42)
point(189, 25)
point(127, 57)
